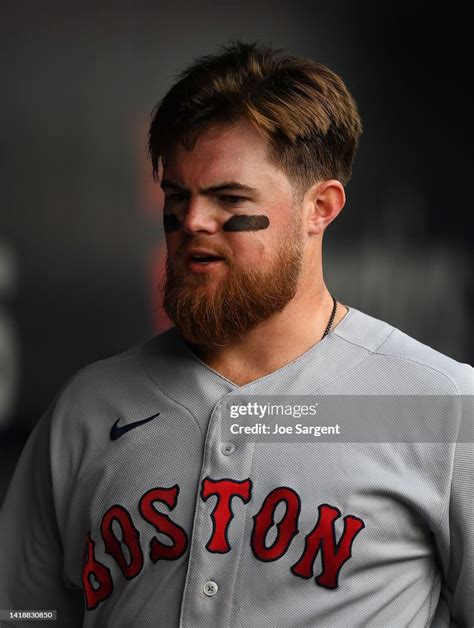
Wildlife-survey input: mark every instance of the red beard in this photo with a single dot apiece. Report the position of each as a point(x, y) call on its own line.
point(242, 299)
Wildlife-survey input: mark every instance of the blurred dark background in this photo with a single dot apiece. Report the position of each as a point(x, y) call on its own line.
point(81, 244)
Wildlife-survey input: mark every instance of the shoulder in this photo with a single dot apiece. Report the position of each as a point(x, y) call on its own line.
point(117, 373)
point(391, 350)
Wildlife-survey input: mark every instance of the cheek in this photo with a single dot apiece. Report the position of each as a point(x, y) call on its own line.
point(260, 247)
point(172, 242)
point(283, 219)
point(280, 216)
point(252, 248)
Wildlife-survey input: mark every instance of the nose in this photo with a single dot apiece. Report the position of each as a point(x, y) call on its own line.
point(200, 217)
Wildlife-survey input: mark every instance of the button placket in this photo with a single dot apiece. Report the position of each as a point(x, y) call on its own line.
point(218, 463)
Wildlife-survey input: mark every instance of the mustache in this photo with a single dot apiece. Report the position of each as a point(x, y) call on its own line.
point(215, 249)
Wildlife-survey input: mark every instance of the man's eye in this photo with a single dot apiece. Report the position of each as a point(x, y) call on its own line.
point(174, 197)
point(233, 200)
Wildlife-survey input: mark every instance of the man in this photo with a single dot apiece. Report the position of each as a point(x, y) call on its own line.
point(134, 505)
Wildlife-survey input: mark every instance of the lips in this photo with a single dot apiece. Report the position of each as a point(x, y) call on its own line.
point(202, 256)
point(202, 260)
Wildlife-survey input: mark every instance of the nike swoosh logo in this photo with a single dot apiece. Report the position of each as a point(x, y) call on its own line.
point(117, 432)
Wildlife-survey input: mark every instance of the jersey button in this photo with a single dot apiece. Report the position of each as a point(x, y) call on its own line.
point(210, 588)
point(227, 448)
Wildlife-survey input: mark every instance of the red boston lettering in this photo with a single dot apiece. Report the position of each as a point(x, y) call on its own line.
point(131, 538)
point(222, 514)
point(163, 523)
point(323, 537)
point(125, 547)
point(97, 591)
point(287, 528)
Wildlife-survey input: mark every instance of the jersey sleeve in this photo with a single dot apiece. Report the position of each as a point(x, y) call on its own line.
point(31, 556)
point(455, 536)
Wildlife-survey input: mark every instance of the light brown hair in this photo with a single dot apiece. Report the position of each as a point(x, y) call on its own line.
point(304, 110)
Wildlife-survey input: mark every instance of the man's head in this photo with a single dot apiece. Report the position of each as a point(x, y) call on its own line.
point(255, 150)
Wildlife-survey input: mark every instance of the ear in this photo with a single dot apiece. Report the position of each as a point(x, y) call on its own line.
point(322, 203)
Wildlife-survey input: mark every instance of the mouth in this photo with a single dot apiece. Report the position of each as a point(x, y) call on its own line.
point(203, 262)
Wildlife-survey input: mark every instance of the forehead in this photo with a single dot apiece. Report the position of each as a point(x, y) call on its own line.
point(236, 152)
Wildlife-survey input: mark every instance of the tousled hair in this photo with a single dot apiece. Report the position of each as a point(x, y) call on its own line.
point(302, 108)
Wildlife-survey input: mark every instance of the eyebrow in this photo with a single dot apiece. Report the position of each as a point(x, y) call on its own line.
point(167, 184)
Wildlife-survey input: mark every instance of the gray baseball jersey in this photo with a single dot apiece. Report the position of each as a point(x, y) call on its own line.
point(127, 508)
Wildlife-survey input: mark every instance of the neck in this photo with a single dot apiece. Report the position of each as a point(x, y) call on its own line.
point(277, 341)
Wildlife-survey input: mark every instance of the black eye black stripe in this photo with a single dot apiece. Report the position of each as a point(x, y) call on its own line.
point(242, 222)
point(171, 222)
